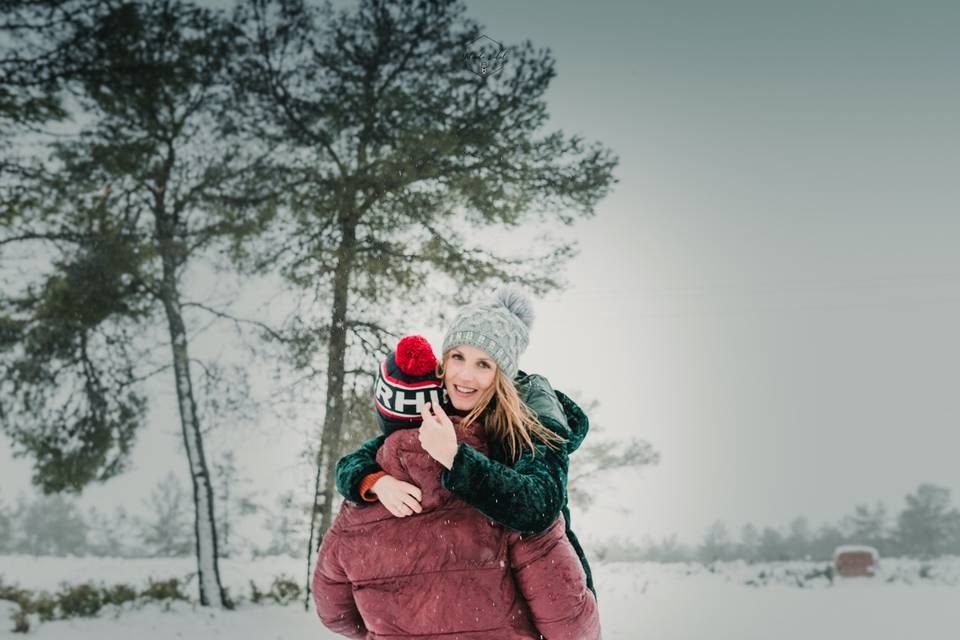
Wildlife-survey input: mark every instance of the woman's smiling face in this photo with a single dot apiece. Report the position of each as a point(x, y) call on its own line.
point(468, 372)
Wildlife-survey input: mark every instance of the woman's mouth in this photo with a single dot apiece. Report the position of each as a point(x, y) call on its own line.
point(464, 391)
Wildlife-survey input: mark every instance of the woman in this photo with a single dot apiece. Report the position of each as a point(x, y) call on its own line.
point(522, 484)
point(449, 572)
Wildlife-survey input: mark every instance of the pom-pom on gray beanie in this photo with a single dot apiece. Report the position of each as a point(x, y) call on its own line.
point(499, 327)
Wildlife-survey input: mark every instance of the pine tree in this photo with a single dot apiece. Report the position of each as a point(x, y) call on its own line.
point(828, 538)
point(668, 549)
point(36, 60)
point(400, 154)
point(50, 526)
point(870, 526)
point(166, 531)
point(6, 528)
point(115, 535)
point(797, 542)
point(716, 544)
point(234, 502)
point(928, 525)
point(287, 526)
point(155, 179)
point(772, 547)
point(749, 547)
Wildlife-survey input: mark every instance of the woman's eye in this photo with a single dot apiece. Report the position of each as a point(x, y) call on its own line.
point(457, 356)
point(484, 365)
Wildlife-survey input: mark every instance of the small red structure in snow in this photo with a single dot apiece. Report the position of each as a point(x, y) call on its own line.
point(855, 560)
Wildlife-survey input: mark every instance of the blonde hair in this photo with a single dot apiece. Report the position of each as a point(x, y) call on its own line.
point(506, 419)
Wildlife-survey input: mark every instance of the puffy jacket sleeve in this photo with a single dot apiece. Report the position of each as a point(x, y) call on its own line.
point(333, 594)
point(526, 497)
point(551, 578)
point(353, 467)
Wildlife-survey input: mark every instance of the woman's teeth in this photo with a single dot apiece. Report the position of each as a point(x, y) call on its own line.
point(464, 390)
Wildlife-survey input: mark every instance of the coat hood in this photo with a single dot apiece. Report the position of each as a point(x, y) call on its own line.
point(555, 410)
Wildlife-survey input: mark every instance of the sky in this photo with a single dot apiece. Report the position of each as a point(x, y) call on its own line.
point(771, 292)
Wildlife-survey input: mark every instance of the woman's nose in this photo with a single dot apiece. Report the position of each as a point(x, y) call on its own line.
point(465, 375)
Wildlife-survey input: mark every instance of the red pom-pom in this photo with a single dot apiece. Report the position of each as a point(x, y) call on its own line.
point(415, 356)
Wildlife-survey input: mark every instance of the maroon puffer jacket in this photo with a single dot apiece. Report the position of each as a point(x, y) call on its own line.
point(448, 572)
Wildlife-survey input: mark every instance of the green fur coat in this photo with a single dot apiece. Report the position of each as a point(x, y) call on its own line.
point(527, 496)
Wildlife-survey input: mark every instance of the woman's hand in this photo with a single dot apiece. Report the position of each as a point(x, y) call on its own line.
point(400, 498)
point(437, 436)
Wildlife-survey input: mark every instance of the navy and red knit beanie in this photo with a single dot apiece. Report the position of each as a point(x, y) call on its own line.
point(407, 380)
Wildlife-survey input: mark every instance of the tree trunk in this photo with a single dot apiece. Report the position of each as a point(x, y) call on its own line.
point(211, 590)
point(225, 551)
point(333, 415)
point(317, 481)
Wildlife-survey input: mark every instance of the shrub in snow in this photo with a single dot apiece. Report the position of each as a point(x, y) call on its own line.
point(79, 601)
point(284, 590)
point(256, 596)
point(84, 600)
point(119, 594)
point(11, 611)
point(41, 603)
point(14, 594)
point(945, 571)
point(44, 605)
point(20, 623)
point(167, 590)
point(793, 574)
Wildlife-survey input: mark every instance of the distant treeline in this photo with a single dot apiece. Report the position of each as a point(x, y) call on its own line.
point(927, 526)
point(56, 525)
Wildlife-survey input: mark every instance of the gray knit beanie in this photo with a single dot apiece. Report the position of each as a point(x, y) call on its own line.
point(500, 327)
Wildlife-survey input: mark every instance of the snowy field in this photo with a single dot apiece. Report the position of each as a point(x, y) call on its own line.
point(907, 599)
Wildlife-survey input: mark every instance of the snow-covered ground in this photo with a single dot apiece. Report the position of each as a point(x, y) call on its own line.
point(637, 601)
